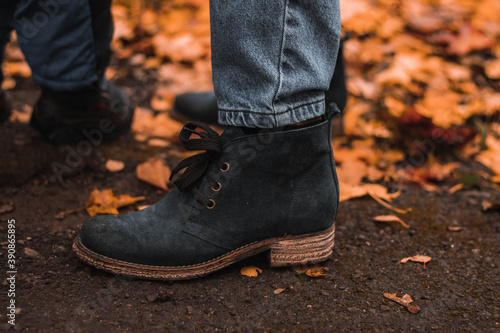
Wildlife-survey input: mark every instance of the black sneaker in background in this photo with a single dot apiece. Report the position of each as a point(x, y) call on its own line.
point(99, 113)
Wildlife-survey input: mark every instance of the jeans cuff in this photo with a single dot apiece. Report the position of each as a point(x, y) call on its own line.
point(293, 115)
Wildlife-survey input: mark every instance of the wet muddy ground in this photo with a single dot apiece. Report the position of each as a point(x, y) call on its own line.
point(457, 291)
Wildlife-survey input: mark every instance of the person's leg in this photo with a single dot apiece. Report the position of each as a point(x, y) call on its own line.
point(202, 106)
point(67, 45)
point(272, 61)
point(254, 190)
point(7, 9)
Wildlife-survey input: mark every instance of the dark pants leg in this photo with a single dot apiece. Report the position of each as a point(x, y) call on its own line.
point(66, 43)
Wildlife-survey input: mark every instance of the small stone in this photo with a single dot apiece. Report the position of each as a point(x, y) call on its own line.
point(30, 253)
point(6, 208)
point(189, 309)
point(151, 298)
point(384, 308)
point(352, 309)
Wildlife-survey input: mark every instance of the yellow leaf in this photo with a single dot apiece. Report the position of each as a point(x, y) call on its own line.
point(250, 271)
point(104, 202)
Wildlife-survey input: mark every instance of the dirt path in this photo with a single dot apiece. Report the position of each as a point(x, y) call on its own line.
point(458, 290)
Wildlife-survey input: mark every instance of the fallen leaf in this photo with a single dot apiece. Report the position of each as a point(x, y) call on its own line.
point(488, 206)
point(450, 228)
point(456, 188)
point(141, 207)
point(390, 218)
point(491, 156)
point(315, 271)
point(61, 215)
point(348, 191)
point(154, 172)
point(467, 40)
point(404, 301)
point(385, 204)
point(250, 271)
point(114, 165)
point(279, 291)
point(158, 143)
point(417, 258)
point(104, 202)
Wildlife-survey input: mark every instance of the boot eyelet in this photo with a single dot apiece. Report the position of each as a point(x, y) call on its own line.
point(217, 189)
point(211, 204)
point(225, 167)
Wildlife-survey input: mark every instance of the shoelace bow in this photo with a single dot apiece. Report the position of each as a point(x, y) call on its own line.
point(197, 165)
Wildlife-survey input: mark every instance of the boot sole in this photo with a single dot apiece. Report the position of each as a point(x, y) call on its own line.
point(283, 251)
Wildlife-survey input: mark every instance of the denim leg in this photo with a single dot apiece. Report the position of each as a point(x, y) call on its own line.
point(273, 60)
point(66, 43)
point(7, 9)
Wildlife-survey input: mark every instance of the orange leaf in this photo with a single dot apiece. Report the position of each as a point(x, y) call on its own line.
point(404, 301)
point(418, 258)
point(154, 172)
point(390, 218)
point(250, 271)
point(114, 166)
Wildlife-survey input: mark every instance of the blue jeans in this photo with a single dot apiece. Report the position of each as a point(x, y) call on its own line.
point(272, 60)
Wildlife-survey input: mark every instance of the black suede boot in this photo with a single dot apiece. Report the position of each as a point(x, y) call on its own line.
point(273, 191)
point(202, 106)
point(68, 117)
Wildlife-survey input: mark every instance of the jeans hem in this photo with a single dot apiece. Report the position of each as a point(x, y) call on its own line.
point(251, 118)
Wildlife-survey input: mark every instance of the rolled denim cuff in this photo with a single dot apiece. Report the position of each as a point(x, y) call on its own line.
point(293, 115)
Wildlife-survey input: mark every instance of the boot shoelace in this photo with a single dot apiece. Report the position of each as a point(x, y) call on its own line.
point(198, 165)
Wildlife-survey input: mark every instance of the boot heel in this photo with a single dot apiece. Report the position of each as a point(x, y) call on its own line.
point(301, 250)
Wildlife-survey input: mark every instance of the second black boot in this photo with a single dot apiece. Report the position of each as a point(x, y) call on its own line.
point(68, 117)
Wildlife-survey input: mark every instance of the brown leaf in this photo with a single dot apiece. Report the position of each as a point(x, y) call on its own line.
point(279, 291)
point(417, 258)
point(250, 271)
point(154, 172)
point(114, 165)
point(404, 301)
point(104, 202)
point(390, 218)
